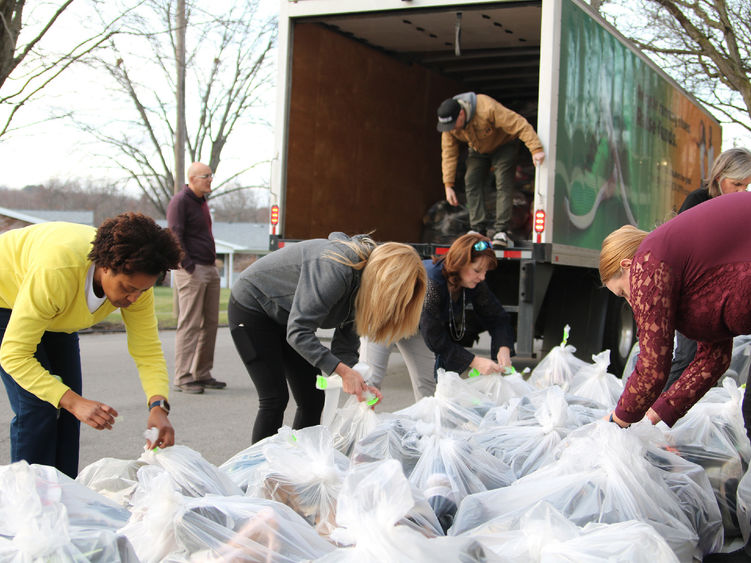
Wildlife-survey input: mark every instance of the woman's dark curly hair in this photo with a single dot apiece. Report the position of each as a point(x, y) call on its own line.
point(133, 243)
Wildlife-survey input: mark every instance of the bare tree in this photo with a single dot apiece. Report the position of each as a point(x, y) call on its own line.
point(228, 69)
point(241, 204)
point(103, 197)
point(705, 45)
point(27, 66)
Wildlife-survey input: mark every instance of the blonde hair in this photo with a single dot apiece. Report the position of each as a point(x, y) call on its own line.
point(361, 245)
point(619, 245)
point(392, 290)
point(732, 163)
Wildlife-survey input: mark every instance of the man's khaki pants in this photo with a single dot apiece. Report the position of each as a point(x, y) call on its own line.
point(197, 321)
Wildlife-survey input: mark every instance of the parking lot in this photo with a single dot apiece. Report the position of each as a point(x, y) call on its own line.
point(217, 423)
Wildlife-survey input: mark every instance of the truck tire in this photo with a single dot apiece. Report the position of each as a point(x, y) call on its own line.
point(620, 333)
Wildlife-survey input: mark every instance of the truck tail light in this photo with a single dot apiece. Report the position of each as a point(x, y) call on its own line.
point(274, 218)
point(539, 221)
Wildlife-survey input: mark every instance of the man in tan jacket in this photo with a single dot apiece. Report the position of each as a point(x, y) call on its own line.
point(491, 131)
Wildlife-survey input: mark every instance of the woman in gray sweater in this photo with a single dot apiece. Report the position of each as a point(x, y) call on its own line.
point(280, 301)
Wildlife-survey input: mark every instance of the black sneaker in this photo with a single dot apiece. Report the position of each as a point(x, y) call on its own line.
point(211, 384)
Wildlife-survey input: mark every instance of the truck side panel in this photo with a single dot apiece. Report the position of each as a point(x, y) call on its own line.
point(363, 152)
point(630, 145)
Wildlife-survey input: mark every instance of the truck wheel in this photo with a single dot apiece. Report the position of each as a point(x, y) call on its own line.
point(620, 333)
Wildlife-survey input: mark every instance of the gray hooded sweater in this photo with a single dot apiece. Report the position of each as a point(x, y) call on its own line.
point(301, 287)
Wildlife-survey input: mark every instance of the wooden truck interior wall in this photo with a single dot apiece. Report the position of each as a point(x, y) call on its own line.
point(347, 98)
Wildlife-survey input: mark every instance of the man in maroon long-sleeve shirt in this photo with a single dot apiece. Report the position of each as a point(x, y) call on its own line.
point(693, 274)
point(197, 283)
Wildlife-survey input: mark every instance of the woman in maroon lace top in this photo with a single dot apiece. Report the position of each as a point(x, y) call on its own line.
point(693, 274)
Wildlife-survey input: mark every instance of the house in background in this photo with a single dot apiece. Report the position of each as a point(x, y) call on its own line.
point(237, 244)
point(18, 218)
point(77, 216)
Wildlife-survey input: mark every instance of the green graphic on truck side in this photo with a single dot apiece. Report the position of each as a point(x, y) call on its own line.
point(630, 145)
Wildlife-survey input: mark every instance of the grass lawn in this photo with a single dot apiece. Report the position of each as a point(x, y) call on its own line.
point(164, 314)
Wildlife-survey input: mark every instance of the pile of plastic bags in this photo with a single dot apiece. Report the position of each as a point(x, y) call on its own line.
point(491, 468)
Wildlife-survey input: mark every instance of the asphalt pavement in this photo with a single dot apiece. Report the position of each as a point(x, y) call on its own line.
point(217, 424)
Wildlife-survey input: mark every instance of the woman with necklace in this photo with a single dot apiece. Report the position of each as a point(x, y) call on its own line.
point(456, 281)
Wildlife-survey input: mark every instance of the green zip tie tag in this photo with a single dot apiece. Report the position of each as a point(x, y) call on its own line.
point(474, 372)
point(509, 370)
point(321, 382)
point(565, 335)
point(372, 401)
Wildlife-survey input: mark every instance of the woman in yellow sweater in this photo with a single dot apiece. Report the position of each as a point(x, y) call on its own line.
point(56, 279)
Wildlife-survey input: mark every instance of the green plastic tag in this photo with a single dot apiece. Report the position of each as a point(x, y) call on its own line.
point(509, 370)
point(474, 372)
point(372, 401)
point(321, 382)
point(565, 335)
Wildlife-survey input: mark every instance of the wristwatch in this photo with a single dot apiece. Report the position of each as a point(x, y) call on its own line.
point(162, 403)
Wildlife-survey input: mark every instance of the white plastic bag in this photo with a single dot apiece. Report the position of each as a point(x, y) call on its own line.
point(744, 506)
point(193, 475)
point(594, 382)
point(352, 422)
point(528, 444)
point(712, 435)
point(544, 534)
point(47, 516)
point(305, 473)
point(500, 388)
point(375, 498)
point(450, 468)
point(602, 475)
point(113, 478)
point(393, 438)
point(167, 525)
point(558, 367)
point(242, 467)
point(455, 406)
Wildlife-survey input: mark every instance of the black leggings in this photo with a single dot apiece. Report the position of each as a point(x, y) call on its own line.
point(272, 363)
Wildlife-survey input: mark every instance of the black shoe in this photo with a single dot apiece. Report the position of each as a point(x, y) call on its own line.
point(211, 384)
point(191, 388)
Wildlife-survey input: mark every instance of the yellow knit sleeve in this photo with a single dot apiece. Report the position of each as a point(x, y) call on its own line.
point(145, 347)
point(43, 295)
point(449, 157)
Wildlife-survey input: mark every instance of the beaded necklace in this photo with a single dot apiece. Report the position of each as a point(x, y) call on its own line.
point(457, 333)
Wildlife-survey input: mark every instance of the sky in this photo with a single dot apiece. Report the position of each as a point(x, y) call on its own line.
point(58, 149)
point(41, 150)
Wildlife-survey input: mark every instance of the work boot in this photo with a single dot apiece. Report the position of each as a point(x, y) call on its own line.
point(192, 388)
point(211, 383)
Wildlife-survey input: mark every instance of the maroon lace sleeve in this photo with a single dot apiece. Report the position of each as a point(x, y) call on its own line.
point(710, 362)
point(653, 300)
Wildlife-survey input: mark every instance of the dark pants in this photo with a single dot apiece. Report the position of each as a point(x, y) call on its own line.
point(40, 433)
point(503, 161)
point(272, 363)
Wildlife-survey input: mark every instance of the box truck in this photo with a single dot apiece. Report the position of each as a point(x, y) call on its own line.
point(357, 148)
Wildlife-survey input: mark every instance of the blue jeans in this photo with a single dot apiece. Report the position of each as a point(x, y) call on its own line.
point(40, 433)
